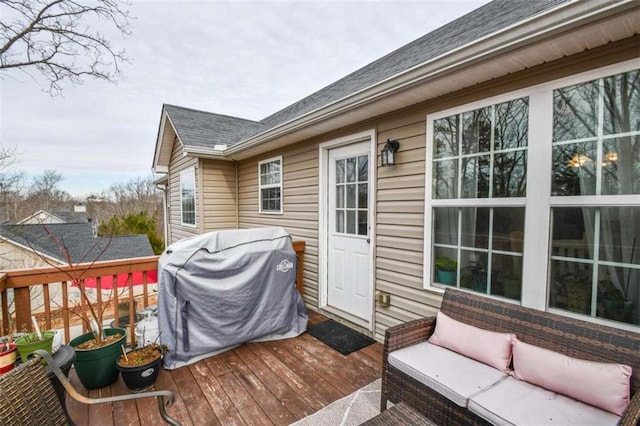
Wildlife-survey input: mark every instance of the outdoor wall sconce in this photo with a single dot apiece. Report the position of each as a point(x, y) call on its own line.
point(389, 153)
point(383, 299)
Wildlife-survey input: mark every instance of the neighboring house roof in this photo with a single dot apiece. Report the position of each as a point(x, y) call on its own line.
point(59, 216)
point(509, 35)
point(72, 217)
point(78, 239)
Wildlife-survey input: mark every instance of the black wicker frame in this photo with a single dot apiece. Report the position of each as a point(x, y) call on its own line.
point(575, 338)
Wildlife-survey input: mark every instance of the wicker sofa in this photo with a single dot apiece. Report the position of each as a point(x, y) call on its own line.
point(578, 339)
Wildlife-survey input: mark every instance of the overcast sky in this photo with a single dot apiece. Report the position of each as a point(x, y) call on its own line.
point(242, 58)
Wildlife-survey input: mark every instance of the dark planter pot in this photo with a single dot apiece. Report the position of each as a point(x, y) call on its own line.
point(96, 368)
point(140, 377)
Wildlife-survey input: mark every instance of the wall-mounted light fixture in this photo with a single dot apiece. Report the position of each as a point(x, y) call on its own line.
point(389, 153)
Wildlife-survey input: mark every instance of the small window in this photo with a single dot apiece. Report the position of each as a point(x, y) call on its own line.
point(188, 196)
point(270, 185)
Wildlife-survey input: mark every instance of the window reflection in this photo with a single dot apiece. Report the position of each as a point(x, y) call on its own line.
point(615, 266)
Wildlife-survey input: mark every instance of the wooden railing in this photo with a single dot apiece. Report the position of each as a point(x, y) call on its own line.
point(23, 281)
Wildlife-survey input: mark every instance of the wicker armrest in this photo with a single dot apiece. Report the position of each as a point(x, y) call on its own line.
point(408, 334)
point(631, 416)
point(160, 395)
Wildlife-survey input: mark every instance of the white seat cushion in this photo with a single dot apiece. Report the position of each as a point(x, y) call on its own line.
point(452, 375)
point(514, 402)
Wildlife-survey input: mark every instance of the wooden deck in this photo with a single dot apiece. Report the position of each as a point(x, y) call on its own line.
point(270, 383)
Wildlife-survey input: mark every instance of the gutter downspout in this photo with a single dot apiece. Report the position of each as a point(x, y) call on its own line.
point(237, 200)
point(165, 207)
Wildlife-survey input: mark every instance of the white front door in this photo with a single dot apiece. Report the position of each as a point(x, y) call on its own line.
point(348, 229)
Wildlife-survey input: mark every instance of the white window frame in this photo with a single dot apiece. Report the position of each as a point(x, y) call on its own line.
point(538, 201)
point(272, 185)
point(189, 173)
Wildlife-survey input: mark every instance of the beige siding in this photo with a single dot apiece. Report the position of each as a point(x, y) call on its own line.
point(218, 204)
point(400, 224)
point(300, 204)
point(400, 198)
point(178, 163)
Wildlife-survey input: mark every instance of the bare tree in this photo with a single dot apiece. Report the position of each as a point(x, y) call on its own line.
point(58, 39)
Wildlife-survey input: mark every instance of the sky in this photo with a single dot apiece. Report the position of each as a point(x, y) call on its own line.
point(247, 59)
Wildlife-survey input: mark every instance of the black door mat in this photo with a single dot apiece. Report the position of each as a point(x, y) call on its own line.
point(340, 337)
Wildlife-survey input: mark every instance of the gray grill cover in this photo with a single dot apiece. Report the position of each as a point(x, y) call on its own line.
point(221, 289)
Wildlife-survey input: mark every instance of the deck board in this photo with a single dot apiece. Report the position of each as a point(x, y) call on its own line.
point(267, 383)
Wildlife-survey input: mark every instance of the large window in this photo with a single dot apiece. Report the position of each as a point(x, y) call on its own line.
point(595, 238)
point(479, 185)
point(270, 185)
point(560, 161)
point(188, 196)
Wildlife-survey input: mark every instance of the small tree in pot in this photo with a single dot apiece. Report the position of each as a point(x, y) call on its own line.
point(96, 351)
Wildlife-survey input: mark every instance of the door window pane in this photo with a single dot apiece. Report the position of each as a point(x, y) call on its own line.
point(352, 195)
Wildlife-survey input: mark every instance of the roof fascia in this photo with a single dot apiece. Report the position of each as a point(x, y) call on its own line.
point(564, 17)
point(157, 166)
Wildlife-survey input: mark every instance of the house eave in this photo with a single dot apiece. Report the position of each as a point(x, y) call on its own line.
point(559, 21)
point(207, 153)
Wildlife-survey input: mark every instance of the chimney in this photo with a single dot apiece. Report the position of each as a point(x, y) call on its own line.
point(80, 208)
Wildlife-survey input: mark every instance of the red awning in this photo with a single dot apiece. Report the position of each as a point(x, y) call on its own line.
point(106, 281)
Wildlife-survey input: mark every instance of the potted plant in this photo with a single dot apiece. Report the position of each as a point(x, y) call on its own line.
point(617, 305)
point(446, 269)
point(578, 290)
point(140, 367)
point(8, 352)
point(30, 342)
point(96, 351)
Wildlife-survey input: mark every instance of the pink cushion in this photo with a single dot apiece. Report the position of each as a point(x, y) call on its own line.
point(600, 384)
point(486, 346)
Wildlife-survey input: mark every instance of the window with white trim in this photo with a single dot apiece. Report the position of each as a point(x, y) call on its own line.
point(270, 185)
point(188, 196)
point(565, 154)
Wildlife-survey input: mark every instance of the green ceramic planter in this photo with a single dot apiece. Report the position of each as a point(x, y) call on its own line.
point(96, 368)
point(26, 344)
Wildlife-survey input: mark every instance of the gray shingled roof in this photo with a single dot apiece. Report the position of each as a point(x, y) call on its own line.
point(78, 238)
point(72, 217)
point(478, 23)
point(204, 129)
